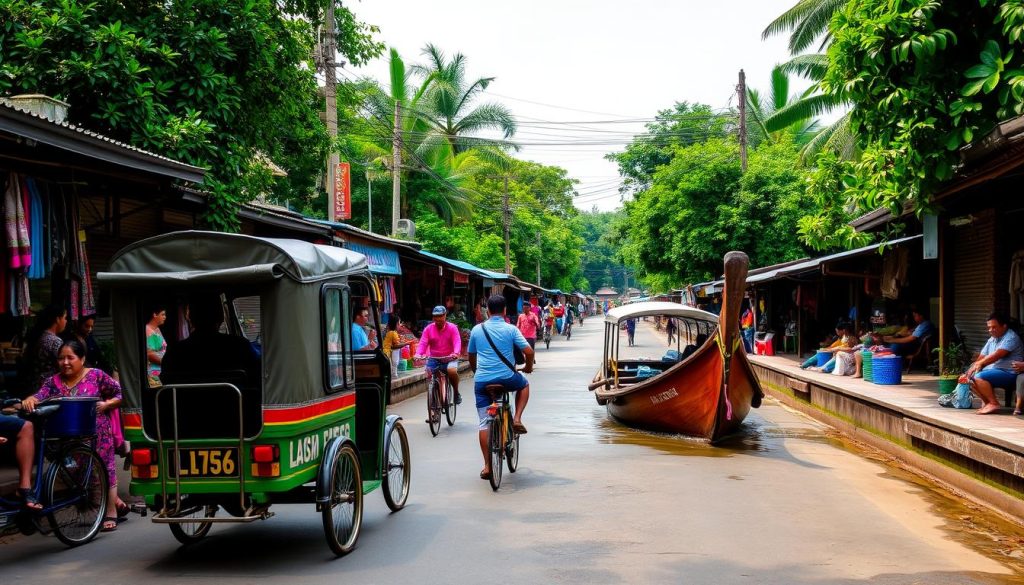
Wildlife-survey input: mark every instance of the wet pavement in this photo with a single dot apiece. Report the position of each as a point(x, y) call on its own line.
point(787, 501)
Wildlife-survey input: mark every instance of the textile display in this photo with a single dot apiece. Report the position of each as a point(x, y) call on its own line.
point(43, 238)
point(1017, 284)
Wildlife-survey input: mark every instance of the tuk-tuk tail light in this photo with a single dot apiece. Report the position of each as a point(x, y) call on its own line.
point(144, 464)
point(266, 461)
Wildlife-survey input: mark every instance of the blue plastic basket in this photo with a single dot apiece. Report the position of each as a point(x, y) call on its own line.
point(823, 357)
point(865, 366)
point(75, 418)
point(887, 369)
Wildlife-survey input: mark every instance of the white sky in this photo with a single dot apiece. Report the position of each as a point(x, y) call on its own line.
point(575, 61)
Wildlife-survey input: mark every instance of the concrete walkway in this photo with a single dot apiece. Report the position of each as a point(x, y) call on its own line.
point(981, 456)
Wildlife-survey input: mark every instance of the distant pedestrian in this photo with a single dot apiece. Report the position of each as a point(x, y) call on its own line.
point(631, 331)
point(670, 327)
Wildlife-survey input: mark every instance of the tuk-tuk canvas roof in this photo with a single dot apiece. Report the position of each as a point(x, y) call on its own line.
point(199, 255)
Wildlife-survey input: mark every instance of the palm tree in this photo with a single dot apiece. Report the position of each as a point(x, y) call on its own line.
point(807, 21)
point(449, 98)
point(762, 110)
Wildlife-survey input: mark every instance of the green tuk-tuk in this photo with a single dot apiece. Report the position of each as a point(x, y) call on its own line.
point(300, 420)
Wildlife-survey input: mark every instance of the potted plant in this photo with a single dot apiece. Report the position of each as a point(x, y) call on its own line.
point(952, 361)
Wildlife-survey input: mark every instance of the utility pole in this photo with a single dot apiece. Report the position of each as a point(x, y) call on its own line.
point(741, 88)
point(538, 258)
point(369, 202)
point(396, 170)
point(508, 222)
point(329, 47)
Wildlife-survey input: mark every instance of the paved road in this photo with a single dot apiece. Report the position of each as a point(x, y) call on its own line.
point(592, 503)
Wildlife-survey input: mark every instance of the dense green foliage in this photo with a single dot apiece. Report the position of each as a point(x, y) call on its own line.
point(602, 260)
point(701, 205)
point(925, 78)
point(214, 83)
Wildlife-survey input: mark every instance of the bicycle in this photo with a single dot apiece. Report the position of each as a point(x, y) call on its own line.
point(567, 328)
point(439, 400)
point(70, 481)
point(503, 440)
point(547, 336)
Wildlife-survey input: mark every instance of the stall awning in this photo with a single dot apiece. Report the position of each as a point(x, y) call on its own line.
point(380, 260)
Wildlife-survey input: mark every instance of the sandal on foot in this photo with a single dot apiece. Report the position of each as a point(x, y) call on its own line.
point(485, 475)
point(28, 499)
point(1016, 412)
point(519, 428)
point(109, 524)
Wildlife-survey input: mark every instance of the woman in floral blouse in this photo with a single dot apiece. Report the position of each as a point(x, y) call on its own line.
point(74, 379)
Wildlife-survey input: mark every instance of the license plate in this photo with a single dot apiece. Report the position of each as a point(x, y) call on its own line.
point(207, 462)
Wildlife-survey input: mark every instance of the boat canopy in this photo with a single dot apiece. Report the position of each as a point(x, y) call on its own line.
point(209, 257)
point(644, 309)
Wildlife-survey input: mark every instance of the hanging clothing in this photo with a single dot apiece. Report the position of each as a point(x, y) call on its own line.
point(1017, 284)
point(894, 272)
point(16, 228)
point(37, 231)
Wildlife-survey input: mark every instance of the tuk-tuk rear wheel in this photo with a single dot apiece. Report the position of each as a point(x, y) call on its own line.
point(397, 468)
point(343, 513)
point(192, 532)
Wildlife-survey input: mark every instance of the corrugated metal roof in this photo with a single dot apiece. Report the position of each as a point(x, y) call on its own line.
point(67, 136)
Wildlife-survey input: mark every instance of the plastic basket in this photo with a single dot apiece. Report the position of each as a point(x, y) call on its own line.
point(75, 418)
point(823, 357)
point(887, 369)
point(865, 365)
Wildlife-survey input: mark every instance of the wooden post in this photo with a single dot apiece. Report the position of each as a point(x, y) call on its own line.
point(741, 88)
point(396, 172)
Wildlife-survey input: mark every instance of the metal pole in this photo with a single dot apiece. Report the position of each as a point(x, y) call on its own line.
point(396, 166)
point(369, 202)
point(331, 107)
point(508, 221)
point(538, 258)
point(742, 89)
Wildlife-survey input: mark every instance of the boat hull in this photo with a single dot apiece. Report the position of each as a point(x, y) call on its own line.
point(687, 399)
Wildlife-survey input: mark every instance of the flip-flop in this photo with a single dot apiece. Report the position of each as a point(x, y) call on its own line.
point(485, 475)
point(28, 500)
point(519, 428)
point(109, 524)
point(988, 409)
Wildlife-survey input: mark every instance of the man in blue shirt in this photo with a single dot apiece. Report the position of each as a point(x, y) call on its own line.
point(361, 341)
point(994, 366)
point(908, 344)
point(490, 367)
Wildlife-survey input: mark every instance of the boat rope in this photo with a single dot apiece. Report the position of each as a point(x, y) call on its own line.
point(727, 362)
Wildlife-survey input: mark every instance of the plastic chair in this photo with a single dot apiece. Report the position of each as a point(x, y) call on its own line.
point(763, 344)
point(924, 348)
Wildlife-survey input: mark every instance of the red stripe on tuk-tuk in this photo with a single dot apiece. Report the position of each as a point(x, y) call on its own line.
point(295, 414)
point(133, 420)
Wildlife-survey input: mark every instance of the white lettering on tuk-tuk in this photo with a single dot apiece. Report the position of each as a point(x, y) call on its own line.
point(306, 449)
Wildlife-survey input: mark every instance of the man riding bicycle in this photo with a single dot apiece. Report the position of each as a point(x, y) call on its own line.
point(442, 344)
point(492, 369)
point(549, 318)
point(22, 432)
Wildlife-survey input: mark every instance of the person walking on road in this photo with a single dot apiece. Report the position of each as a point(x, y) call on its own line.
point(492, 359)
point(631, 331)
point(528, 323)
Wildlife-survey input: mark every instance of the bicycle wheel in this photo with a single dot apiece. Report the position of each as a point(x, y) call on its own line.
point(496, 450)
point(192, 532)
point(343, 514)
point(397, 468)
point(434, 407)
point(76, 483)
point(512, 447)
point(452, 408)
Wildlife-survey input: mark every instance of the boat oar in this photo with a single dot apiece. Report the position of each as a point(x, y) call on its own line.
point(607, 381)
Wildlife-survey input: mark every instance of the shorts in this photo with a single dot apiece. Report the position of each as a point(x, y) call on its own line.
point(10, 426)
point(998, 378)
point(532, 341)
point(439, 364)
point(513, 383)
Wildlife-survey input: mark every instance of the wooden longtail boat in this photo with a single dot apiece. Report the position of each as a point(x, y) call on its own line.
point(705, 388)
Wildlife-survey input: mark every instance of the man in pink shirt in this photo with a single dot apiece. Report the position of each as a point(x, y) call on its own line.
point(442, 345)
